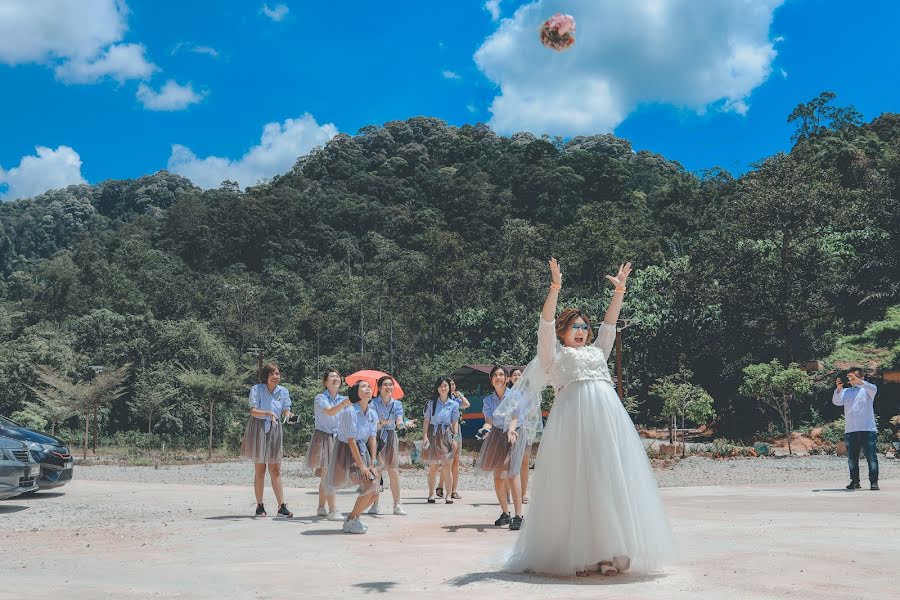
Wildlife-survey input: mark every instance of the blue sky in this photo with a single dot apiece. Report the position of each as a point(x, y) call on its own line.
point(704, 82)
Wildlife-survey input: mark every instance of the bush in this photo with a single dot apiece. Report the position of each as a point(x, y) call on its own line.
point(834, 432)
point(32, 420)
point(232, 437)
point(133, 439)
point(722, 448)
point(827, 449)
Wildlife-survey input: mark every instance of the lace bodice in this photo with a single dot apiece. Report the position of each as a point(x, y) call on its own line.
point(565, 365)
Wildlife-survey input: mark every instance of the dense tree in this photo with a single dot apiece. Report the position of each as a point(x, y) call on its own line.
point(415, 247)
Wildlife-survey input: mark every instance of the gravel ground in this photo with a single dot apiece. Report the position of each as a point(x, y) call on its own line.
point(747, 529)
point(692, 471)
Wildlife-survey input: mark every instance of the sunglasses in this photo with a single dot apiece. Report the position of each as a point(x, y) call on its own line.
point(581, 326)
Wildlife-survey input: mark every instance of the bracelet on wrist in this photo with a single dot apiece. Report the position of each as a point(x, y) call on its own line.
point(619, 290)
point(556, 286)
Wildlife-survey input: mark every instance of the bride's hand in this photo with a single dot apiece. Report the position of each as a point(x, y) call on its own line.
point(555, 273)
point(622, 276)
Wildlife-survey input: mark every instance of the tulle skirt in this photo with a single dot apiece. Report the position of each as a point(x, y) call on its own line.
point(390, 453)
point(440, 448)
point(321, 447)
point(593, 494)
point(497, 454)
point(458, 442)
point(344, 473)
point(262, 447)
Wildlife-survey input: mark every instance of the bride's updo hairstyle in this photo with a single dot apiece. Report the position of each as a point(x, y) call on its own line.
point(564, 322)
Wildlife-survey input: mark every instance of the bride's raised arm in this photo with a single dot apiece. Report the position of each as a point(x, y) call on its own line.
point(615, 305)
point(606, 336)
point(549, 312)
point(547, 329)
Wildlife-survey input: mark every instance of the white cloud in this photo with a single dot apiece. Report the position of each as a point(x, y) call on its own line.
point(276, 13)
point(493, 7)
point(448, 74)
point(50, 30)
point(120, 62)
point(689, 53)
point(188, 47)
point(50, 169)
point(280, 146)
point(81, 40)
point(171, 96)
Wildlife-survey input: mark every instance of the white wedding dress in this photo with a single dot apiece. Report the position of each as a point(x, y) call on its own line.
point(593, 495)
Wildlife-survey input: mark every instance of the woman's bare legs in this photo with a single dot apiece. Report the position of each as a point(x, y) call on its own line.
point(432, 476)
point(524, 474)
point(324, 496)
point(275, 478)
point(394, 475)
point(500, 490)
point(454, 469)
point(259, 481)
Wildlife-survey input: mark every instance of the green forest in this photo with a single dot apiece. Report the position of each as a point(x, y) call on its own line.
point(415, 247)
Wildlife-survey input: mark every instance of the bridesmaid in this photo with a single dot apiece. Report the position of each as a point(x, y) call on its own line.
point(328, 406)
point(514, 375)
point(353, 461)
point(464, 403)
point(390, 418)
point(263, 441)
point(502, 450)
point(441, 424)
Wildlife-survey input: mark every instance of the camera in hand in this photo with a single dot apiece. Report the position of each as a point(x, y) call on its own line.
point(293, 420)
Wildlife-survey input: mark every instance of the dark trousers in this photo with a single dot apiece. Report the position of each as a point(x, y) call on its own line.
point(865, 441)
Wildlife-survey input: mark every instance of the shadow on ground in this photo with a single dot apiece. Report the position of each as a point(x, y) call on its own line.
point(479, 527)
point(42, 496)
point(382, 587)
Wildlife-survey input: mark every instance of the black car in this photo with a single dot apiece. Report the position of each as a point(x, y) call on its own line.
point(18, 471)
point(53, 455)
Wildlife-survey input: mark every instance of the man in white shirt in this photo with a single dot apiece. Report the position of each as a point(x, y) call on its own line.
point(860, 431)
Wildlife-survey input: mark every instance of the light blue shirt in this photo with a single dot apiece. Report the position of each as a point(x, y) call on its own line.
point(859, 406)
point(278, 401)
point(323, 421)
point(492, 401)
point(444, 413)
point(356, 424)
point(390, 411)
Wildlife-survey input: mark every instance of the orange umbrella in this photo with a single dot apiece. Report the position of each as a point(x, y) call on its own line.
point(372, 377)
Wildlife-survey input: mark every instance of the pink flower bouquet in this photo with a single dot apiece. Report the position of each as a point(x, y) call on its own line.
point(558, 32)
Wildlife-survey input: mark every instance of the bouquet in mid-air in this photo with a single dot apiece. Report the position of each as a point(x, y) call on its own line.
point(558, 32)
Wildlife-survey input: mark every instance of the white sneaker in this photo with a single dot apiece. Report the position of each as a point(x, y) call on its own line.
point(374, 509)
point(322, 512)
point(354, 526)
point(399, 510)
point(335, 516)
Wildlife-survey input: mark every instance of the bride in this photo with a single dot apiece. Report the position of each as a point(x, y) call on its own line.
point(594, 503)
